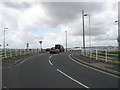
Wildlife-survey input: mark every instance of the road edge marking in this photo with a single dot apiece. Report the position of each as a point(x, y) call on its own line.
point(72, 79)
point(23, 61)
point(5, 87)
point(50, 62)
point(93, 68)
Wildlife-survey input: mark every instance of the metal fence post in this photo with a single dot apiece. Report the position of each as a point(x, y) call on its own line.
point(15, 52)
point(32, 51)
point(86, 53)
point(28, 51)
point(10, 53)
point(106, 55)
point(90, 53)
point(1, 54)
point(24, 51)
point(96, 54)
point(20, 52)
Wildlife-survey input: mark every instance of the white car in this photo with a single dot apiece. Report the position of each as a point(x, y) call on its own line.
point(75, 49)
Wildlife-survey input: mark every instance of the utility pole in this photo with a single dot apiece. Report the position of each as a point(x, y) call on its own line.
point(89, 32)
point(66, 41)
point(119, 30)
point(4, 41)
point(83, 29)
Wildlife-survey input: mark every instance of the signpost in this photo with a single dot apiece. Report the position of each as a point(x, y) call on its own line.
point(27, 45)
point(40, 45)
point(119, 29)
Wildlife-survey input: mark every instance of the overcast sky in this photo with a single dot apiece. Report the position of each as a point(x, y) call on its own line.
point(30, 22)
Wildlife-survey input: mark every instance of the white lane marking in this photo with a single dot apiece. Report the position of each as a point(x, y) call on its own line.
point(26, 59)
point(93, 68)
point(50, 62)
point(72, 78)
point(23, 61)
point(5, 87)
point(50, 56)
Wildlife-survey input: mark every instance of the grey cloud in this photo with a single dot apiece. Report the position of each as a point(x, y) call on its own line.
point(17, 5)
point(65, 12)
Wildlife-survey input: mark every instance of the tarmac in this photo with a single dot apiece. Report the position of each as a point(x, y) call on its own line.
point(109, 68)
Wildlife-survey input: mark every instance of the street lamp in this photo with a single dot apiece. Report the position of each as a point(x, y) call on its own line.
point(83, 29)
point(4, 41)
point(66, 40)
point(118, 38)
point(89, 32)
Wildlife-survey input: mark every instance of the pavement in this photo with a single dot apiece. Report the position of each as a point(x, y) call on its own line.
point(110, 68)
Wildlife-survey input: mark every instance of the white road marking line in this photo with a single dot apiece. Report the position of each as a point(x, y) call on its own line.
point(50, 56)
point(23, 61)
point(5, 87)
point(55, 54)
point(72, 78)
point(50, 62)
point(26, 59)
point(93, 68)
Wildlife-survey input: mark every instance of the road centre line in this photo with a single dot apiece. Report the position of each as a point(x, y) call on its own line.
point(93, 68)
point(72, 78)
point(50, 56)
point(50, 62)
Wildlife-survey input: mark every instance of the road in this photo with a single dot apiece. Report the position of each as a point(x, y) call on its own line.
point(55, 71)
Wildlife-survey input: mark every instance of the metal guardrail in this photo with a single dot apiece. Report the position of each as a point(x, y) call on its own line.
point(104, 55)
point(17, 52)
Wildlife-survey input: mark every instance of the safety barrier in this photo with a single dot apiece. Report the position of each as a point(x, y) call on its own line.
point(17, 52)
point(105, 55)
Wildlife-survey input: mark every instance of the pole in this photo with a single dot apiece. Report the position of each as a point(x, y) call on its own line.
point(89, 32)
point(66, 41)
point(41, 47)
point(83, 31)
point(119, 30)
point(4, 41)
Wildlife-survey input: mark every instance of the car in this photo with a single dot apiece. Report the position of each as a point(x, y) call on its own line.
point(75, 49)
point(54, 50)
point(47, 49)
point(60, 47)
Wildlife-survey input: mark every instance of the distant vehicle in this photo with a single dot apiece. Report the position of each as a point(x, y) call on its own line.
point(54, 50)
point(47, 49)
point(57, 49)
point(75, 49)
point(60, 47)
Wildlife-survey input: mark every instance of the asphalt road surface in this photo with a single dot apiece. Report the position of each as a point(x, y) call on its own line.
point(55, 71)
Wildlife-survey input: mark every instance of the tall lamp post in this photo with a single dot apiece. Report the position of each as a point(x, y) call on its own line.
point(89, 32)
point(66, 40)
point(83, 29)
point(4, 41)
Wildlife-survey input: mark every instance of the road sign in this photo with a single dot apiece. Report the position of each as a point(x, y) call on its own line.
point(40, 42)
point(27, 45)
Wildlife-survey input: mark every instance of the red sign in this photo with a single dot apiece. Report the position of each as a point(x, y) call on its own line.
point(40, 42)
